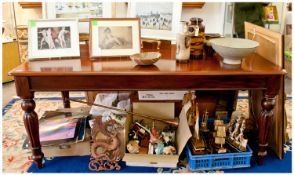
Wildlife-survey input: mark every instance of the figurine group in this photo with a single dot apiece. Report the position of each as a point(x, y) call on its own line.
point(151, 141)
point(206, 140)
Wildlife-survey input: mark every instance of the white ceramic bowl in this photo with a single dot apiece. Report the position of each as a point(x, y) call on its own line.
point(146, 58)
point(233, 49)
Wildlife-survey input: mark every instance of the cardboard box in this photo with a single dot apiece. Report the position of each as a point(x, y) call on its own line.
point(74, 149)
point(183, 134)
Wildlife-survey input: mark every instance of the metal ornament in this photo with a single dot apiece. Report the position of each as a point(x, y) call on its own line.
point(105, 153)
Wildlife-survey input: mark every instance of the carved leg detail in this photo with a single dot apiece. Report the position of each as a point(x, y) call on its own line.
point(264, 123)
point(32, 127)
point(65, 98)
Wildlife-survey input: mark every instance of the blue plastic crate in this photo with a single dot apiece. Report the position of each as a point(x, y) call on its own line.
point(218, 161)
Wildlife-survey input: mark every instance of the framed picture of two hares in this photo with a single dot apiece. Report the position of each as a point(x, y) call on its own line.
point(53, 38)
point(113, 37)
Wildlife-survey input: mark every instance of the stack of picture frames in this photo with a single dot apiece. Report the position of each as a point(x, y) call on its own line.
point(57, 35)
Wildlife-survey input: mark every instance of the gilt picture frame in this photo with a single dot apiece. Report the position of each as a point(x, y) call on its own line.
point(53, 39)
point(159, 20)
point(114, 37)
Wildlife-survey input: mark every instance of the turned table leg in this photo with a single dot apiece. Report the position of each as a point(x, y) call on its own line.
point(65, 98)
point(31, 123)
point(264, 122)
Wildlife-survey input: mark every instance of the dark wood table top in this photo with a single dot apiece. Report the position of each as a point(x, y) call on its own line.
point(167, 65)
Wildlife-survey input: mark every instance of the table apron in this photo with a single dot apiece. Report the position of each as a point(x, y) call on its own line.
point(126, 82)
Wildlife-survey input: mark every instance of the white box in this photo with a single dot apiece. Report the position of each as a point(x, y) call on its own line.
point(161, 95)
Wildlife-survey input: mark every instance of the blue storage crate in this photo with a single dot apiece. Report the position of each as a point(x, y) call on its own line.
point(218, 161)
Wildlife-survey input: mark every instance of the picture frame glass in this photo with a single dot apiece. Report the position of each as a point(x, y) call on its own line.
point(114, 37)
point(78, 10)
point(53, 38)
point(159, 20)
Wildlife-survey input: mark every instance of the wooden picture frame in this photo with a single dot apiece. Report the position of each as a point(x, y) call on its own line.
point(167, 17)
point(53, 38)
point(90, 10)
point(120, 37)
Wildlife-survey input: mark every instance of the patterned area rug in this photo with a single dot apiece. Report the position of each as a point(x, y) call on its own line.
point(17, 160)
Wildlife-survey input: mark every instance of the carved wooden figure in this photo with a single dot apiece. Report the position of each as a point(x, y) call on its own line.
point(105, 152)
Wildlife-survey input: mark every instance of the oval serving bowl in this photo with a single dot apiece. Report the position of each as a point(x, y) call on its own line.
point(233, 49)
point(146, 58)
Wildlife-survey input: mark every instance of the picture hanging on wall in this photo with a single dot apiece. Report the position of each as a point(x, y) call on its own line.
point(78, 10)
point(53, 38)
point(159, 20)
point(114, 37)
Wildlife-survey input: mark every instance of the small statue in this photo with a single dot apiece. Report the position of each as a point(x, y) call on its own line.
point(169, 150)
point(240, 138)
point(154, 136)
point(236, 129)
point(159, 148)
point(204, 122)
point(168, 137)
point(133, 147)
point(220, 137)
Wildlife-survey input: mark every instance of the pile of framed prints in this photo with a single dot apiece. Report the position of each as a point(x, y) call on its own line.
point(112, 37)
point(159, 20)
point(53, 38)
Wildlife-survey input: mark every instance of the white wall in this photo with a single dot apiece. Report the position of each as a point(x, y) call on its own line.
point(212, 14)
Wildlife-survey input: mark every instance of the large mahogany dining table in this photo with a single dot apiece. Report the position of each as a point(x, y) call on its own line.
point(120, 73)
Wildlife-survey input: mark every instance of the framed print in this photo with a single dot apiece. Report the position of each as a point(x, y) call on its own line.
point(78, 10)
point(159, 20)
point(53, 38)
point(112, 37)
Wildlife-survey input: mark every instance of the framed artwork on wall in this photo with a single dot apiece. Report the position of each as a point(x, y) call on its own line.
point(78, 10)
point(53, 38)
point(159, 20)
point(111, 37)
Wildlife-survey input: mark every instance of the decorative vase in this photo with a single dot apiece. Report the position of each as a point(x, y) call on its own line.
point(197, 30)
point(183, 40)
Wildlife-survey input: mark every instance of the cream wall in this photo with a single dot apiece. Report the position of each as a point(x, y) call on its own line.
point(8, 20)
point(212, 14)
point(23, 15)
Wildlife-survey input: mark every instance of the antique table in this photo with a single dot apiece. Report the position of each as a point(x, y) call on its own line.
point(122, 74)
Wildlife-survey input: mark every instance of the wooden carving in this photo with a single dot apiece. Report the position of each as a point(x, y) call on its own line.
point(105, 153)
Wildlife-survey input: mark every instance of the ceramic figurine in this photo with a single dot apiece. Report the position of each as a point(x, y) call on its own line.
point(169, 150)
point(133, 147)
point(183, 42)
point(168, 137)
point(159, 148)
point(133, 135)
point(150, 148)
point(155, 136)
